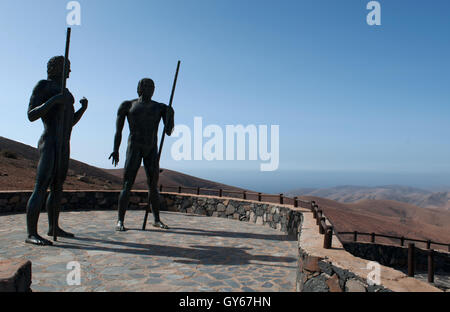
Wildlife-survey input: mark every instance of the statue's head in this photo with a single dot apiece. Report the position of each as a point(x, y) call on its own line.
point(55, 67)
point(146, 87)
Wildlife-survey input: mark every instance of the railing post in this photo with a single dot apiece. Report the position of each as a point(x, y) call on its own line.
point(259, 197)
point(428, 244)
point(316, 210)
point(355, 236)
point(281, 199)
point(411, 260)
point(244, 194)
point(160, 188)
point(322, 228)
point(319, 216)
point(431, 266)
point(220, 193)
point(198, 190)
point(402, 241)
point(328, 238)
point(295, 202)
point(372, 238)
point(179, 189)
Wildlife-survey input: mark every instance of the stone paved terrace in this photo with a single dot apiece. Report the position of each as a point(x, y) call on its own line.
point(198, 253)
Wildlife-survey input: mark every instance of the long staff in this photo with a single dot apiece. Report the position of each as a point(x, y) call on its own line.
point(161, 144)
point(60, 130)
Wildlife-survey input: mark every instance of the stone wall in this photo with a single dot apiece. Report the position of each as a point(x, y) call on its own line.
point(397, 256)
point(316, 274)
point(278, 217)
point(15, 275)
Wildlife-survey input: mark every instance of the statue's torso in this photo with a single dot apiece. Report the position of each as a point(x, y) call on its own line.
point(143, 120)
point(58, 121)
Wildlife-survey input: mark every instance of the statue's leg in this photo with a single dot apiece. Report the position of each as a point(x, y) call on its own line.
point(132, 164)
point(55, 196)
point(151, 166)
point(35, 203)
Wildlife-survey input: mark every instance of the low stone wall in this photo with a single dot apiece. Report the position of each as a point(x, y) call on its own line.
point(15, 275)
point(316, 274)
point(279, 217)
point(336, 270)
point(397, 256)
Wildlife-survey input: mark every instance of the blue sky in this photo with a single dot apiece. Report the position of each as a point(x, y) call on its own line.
point(356, 104)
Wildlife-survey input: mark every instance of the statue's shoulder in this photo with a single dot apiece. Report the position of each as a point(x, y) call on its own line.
point(125, 106)
point(161, 106)
point(41, 85)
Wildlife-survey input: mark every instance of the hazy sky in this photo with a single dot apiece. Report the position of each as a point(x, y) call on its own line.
point(359, 104)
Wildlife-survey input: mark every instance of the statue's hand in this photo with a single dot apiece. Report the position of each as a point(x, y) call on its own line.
point(84, 102)
point(115, 158)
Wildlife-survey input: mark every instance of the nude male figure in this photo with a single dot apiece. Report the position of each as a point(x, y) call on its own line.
point(143, 115)
point(57, 113)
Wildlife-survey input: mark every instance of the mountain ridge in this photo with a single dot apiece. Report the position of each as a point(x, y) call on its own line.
point(405, 194)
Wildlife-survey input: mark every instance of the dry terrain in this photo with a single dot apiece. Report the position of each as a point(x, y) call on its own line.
point(405, 194)
point(387, 217)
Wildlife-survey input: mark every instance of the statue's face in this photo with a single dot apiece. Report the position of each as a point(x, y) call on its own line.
point(146, 88)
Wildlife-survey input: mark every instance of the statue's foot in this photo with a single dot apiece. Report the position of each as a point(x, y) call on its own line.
point(160, 225)
point(61, 233)
point(120, 227)
point(38, 240)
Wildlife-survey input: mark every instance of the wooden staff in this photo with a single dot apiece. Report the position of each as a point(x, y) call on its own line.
point(60, 130)
point(161, 144)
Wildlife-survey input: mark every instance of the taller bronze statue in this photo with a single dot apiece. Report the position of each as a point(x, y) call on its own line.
point(56, 110)
point(143, 115)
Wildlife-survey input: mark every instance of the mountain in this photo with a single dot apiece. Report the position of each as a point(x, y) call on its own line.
point(173, 178)
point(18, 163)
point(405, 194)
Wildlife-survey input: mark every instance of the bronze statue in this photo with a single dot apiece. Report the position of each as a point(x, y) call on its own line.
point(56, 110)
point(144, 116)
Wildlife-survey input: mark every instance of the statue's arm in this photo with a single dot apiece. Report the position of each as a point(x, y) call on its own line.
point(120, 122)
point(168, 115)
point(77, 116)
point(37, 109)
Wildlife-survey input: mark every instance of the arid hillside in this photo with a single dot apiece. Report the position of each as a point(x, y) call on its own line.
point(18, 164)
point(405, 194)
point(387, 217)
point(173, 178)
